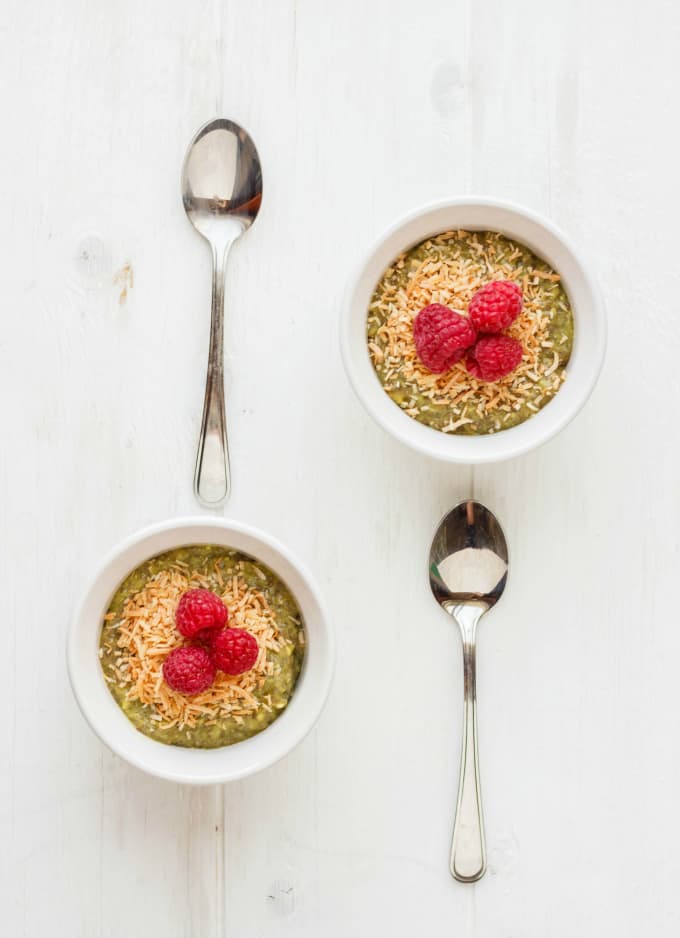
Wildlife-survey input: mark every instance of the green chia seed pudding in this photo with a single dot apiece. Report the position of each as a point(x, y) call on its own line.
point(449, 269)
point(139, 632)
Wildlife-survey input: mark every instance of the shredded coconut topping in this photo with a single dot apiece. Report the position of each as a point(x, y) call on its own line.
point(147, 634)
point(452, 279)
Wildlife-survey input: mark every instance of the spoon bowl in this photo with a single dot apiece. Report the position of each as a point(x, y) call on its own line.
point(221, 181)
point(222, 194)
point(468, 570)
point(468, 557)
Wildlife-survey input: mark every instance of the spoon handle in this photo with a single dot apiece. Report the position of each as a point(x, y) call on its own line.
point(468, 854)
point(212, 479)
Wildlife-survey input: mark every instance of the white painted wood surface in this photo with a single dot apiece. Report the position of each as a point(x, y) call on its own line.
point(360, 112)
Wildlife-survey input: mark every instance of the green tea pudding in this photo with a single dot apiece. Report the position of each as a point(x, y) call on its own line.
point(202, 647)
point(470, 332)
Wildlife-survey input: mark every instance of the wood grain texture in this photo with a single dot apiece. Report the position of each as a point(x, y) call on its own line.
point(360, 112)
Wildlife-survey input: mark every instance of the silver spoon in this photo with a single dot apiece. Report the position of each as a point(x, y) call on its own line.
point(468, 570)
point(222, 192)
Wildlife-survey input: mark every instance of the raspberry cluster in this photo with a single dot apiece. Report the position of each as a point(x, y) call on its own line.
point(443, 337)
point(201, 617)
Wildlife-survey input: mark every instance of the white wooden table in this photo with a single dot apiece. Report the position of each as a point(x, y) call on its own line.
point(360, 111)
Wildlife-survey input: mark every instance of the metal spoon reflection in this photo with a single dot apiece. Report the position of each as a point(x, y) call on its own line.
point(468, 570)
point(221, 192)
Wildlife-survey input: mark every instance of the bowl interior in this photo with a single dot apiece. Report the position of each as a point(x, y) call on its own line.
point(589, 329)
point(199, 766)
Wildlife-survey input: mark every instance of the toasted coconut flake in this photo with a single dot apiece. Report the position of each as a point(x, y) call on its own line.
point(553, 367)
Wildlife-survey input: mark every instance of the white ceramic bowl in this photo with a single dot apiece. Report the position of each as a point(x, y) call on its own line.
point(590, 330)
point(199, 766)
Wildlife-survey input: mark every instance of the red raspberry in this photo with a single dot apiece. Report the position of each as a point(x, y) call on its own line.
point(235, 651)
point(495, 306)
point(493, 357)
point(441, 337)
point(198, 611)
point(189, 670)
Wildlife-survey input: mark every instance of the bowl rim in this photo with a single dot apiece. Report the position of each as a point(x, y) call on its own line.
point(483, 448)
point(294, 731)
